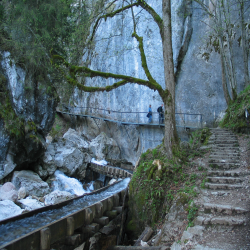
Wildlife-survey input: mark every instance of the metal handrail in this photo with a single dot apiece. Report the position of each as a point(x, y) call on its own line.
point(121, 115)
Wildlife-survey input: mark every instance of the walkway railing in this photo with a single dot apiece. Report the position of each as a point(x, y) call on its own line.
point(140, 118)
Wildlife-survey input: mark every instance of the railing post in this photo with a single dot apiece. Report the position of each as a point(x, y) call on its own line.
point(184, 120)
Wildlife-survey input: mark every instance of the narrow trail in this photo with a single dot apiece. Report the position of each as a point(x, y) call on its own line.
point(224, 204)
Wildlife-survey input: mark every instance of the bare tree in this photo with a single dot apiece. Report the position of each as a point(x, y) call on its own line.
point(72, 73)
point(220, 12)
point(244, 40)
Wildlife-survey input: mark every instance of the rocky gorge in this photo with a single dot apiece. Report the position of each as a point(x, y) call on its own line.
point(36, 169)
point(57, 176)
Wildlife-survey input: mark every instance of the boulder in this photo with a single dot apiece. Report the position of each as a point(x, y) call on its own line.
point(33, 184)
point(49, 159)
point(22, 193)
point(30, 204)
point(9, 209)
point(104, 147)
point(68, 155)
point(68, 160)
point(57, 196)
point(6, 166)
point(8, 192)
point(74, 139)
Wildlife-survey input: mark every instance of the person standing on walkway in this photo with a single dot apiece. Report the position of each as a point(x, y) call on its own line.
point(150, 114)
point(161, 115)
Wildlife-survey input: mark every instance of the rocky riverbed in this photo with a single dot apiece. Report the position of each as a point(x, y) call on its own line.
point(61, 174)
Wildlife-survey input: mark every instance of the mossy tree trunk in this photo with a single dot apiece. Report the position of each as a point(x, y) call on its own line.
point(170, 138)
point(72, 72)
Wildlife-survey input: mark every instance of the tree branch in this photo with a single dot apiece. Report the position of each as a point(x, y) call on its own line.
point(112, 14)
point(76, 71)
point(154, 14)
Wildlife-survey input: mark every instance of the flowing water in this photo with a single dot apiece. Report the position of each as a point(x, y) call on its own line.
point(16, 229)
point(71, 185)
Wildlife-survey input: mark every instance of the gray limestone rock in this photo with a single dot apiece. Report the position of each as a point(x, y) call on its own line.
point(104, 148)
point(9, 209)
point(68, 160)
point(30, 204)
point(76, 140)
point(22, 193)
point(43, 173)
point(8, 192)
point(32, 104)
point(70, 155)
point(7, 166)
point(31, 181)
point(56, 197)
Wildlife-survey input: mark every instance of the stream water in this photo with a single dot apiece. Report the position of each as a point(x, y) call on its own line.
point(16, 229)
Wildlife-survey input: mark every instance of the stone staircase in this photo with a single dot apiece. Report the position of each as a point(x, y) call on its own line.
point(224, 203)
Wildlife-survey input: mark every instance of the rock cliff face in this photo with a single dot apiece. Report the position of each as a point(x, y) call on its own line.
point(197, 66)
point(32, 105)
point(198, 83)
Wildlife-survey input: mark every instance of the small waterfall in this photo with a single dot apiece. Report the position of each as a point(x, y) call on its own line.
point(71, 185)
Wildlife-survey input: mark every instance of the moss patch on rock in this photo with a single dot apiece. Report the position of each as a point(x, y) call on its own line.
point(235, 114)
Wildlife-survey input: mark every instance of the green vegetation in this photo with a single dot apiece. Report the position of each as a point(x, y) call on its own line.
point(158, 181)
point(235, 113)
point(30, 29)
point(12, 123)
point(192, 212)
point(197, 139)
point(59, 128)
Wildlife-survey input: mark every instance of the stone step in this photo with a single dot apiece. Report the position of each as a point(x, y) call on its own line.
point(227, 173)
point(225, 136)
point(219, 151)
point(214, 130)
point(222, 186)
point(225, 153)
point(208, 208)
point(221, 131)
point(223, 141)
point(224, 180)
point(226, 158)
point(223, 147)
point(224, 165)
point(222, 162)
point(220, 220)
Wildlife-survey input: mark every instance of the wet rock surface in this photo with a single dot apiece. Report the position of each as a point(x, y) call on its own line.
point(57, 196)
point(9, 209)
point(30, 204)
point(32, 183)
